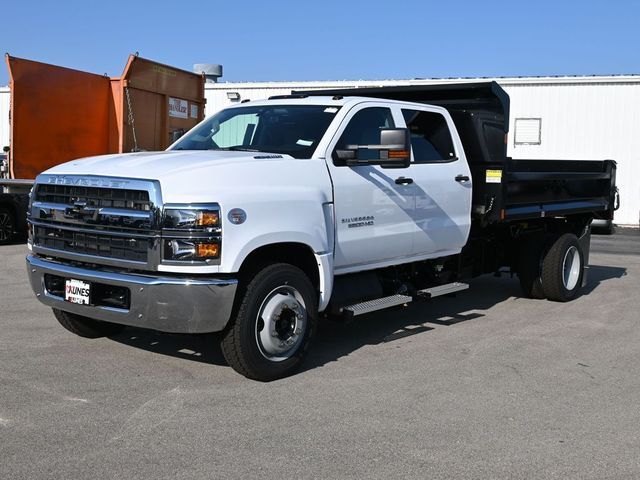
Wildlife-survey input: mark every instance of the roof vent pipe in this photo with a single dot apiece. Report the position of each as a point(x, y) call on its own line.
point(211, 71)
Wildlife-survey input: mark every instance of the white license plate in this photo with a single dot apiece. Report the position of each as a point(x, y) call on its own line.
point(77, 291)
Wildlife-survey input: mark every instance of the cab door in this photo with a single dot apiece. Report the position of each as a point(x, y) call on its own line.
point(442, 182)
point(373, 208)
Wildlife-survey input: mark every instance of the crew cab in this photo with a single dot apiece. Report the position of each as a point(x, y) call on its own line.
point(270, 215)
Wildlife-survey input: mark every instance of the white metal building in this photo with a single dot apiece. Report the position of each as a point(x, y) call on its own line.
point(551, 118)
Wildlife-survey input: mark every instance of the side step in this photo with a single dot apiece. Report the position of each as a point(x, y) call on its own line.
point(442, 290)
point(377, 304)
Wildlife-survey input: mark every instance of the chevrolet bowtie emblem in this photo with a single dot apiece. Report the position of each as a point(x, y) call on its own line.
point(80, 211)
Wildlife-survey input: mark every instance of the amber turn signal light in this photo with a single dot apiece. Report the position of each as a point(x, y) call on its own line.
point(207, 250)
point(399, 154)
point(207, 219)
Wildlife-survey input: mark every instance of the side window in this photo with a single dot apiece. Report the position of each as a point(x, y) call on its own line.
point(430, 136)
point(364, 129)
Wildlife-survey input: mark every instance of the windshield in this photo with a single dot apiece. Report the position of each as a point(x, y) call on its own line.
point(288, 129)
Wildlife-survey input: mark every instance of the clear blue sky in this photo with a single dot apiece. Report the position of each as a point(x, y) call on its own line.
point(331, 40)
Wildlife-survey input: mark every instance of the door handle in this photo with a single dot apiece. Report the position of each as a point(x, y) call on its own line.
point(462, 178)
point(404, 181)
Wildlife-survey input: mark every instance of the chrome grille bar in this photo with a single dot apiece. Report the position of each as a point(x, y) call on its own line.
point(105, 220)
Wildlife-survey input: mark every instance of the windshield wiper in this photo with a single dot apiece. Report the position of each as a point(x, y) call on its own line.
point(240, 148)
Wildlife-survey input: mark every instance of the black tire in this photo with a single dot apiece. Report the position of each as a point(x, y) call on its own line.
point(562, 269)
point(241, 344)
point(530, 260)
point(7, 226)
point(86, 327)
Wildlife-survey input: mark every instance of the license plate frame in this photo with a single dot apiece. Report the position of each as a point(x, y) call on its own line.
point(77, 291)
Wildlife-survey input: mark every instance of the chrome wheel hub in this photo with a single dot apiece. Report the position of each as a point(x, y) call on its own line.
point(281, 323)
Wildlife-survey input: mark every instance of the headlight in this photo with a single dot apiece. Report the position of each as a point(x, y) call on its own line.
point(191, 234)
point(191, 219)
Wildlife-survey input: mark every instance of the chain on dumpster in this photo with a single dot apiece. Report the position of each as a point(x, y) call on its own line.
point(131, 120)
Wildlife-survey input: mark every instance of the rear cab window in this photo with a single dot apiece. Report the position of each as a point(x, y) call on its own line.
point(431, 140)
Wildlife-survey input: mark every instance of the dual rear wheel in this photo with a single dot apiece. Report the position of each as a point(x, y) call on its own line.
point(551, 267)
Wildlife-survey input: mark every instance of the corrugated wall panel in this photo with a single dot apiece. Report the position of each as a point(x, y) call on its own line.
point(591, 122)
point(217, 99)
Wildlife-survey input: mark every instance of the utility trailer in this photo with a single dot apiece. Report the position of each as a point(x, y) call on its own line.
point(59, 114)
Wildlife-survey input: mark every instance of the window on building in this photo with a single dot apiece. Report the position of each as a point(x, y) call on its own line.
point(528, 131)
point(430, 136)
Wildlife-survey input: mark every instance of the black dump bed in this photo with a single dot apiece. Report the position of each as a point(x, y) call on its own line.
point(505, 189)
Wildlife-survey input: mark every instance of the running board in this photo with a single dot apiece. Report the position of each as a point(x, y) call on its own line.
point(442, 290)
point(377, 304)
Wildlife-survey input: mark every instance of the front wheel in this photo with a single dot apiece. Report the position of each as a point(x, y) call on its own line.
point(274, 324)
point(562, 269)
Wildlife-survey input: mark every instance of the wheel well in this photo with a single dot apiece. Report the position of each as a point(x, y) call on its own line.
point(296, 254)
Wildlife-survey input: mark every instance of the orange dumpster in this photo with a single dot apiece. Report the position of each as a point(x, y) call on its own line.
point(59, 114)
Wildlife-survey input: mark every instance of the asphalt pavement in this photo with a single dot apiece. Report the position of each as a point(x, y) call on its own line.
point(482, 385)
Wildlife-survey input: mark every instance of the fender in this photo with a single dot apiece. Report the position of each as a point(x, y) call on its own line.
point(325, 276)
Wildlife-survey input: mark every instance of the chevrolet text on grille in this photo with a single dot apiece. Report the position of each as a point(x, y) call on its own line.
point(87, 182)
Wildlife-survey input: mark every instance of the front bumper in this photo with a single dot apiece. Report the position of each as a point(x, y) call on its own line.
point(167, 304)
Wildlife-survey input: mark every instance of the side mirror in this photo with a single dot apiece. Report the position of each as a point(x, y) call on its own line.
point(393, 151)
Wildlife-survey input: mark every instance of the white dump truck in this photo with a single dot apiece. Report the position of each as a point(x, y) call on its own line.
point(270, 216)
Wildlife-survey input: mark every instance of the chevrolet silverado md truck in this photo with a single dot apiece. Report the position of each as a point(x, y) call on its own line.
point(271, 214)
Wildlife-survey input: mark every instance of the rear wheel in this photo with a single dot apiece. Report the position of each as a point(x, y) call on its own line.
point(562, 269)
point(7, 226)
point(274, 325)
point(530, 265)
point(86, 327)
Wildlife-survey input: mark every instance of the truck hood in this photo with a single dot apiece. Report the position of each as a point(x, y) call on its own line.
point(188, 176)
point(158, 164)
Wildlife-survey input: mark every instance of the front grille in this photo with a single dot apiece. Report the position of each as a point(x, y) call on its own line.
point(94, 196)
point(75, 217)
point(99, 244)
